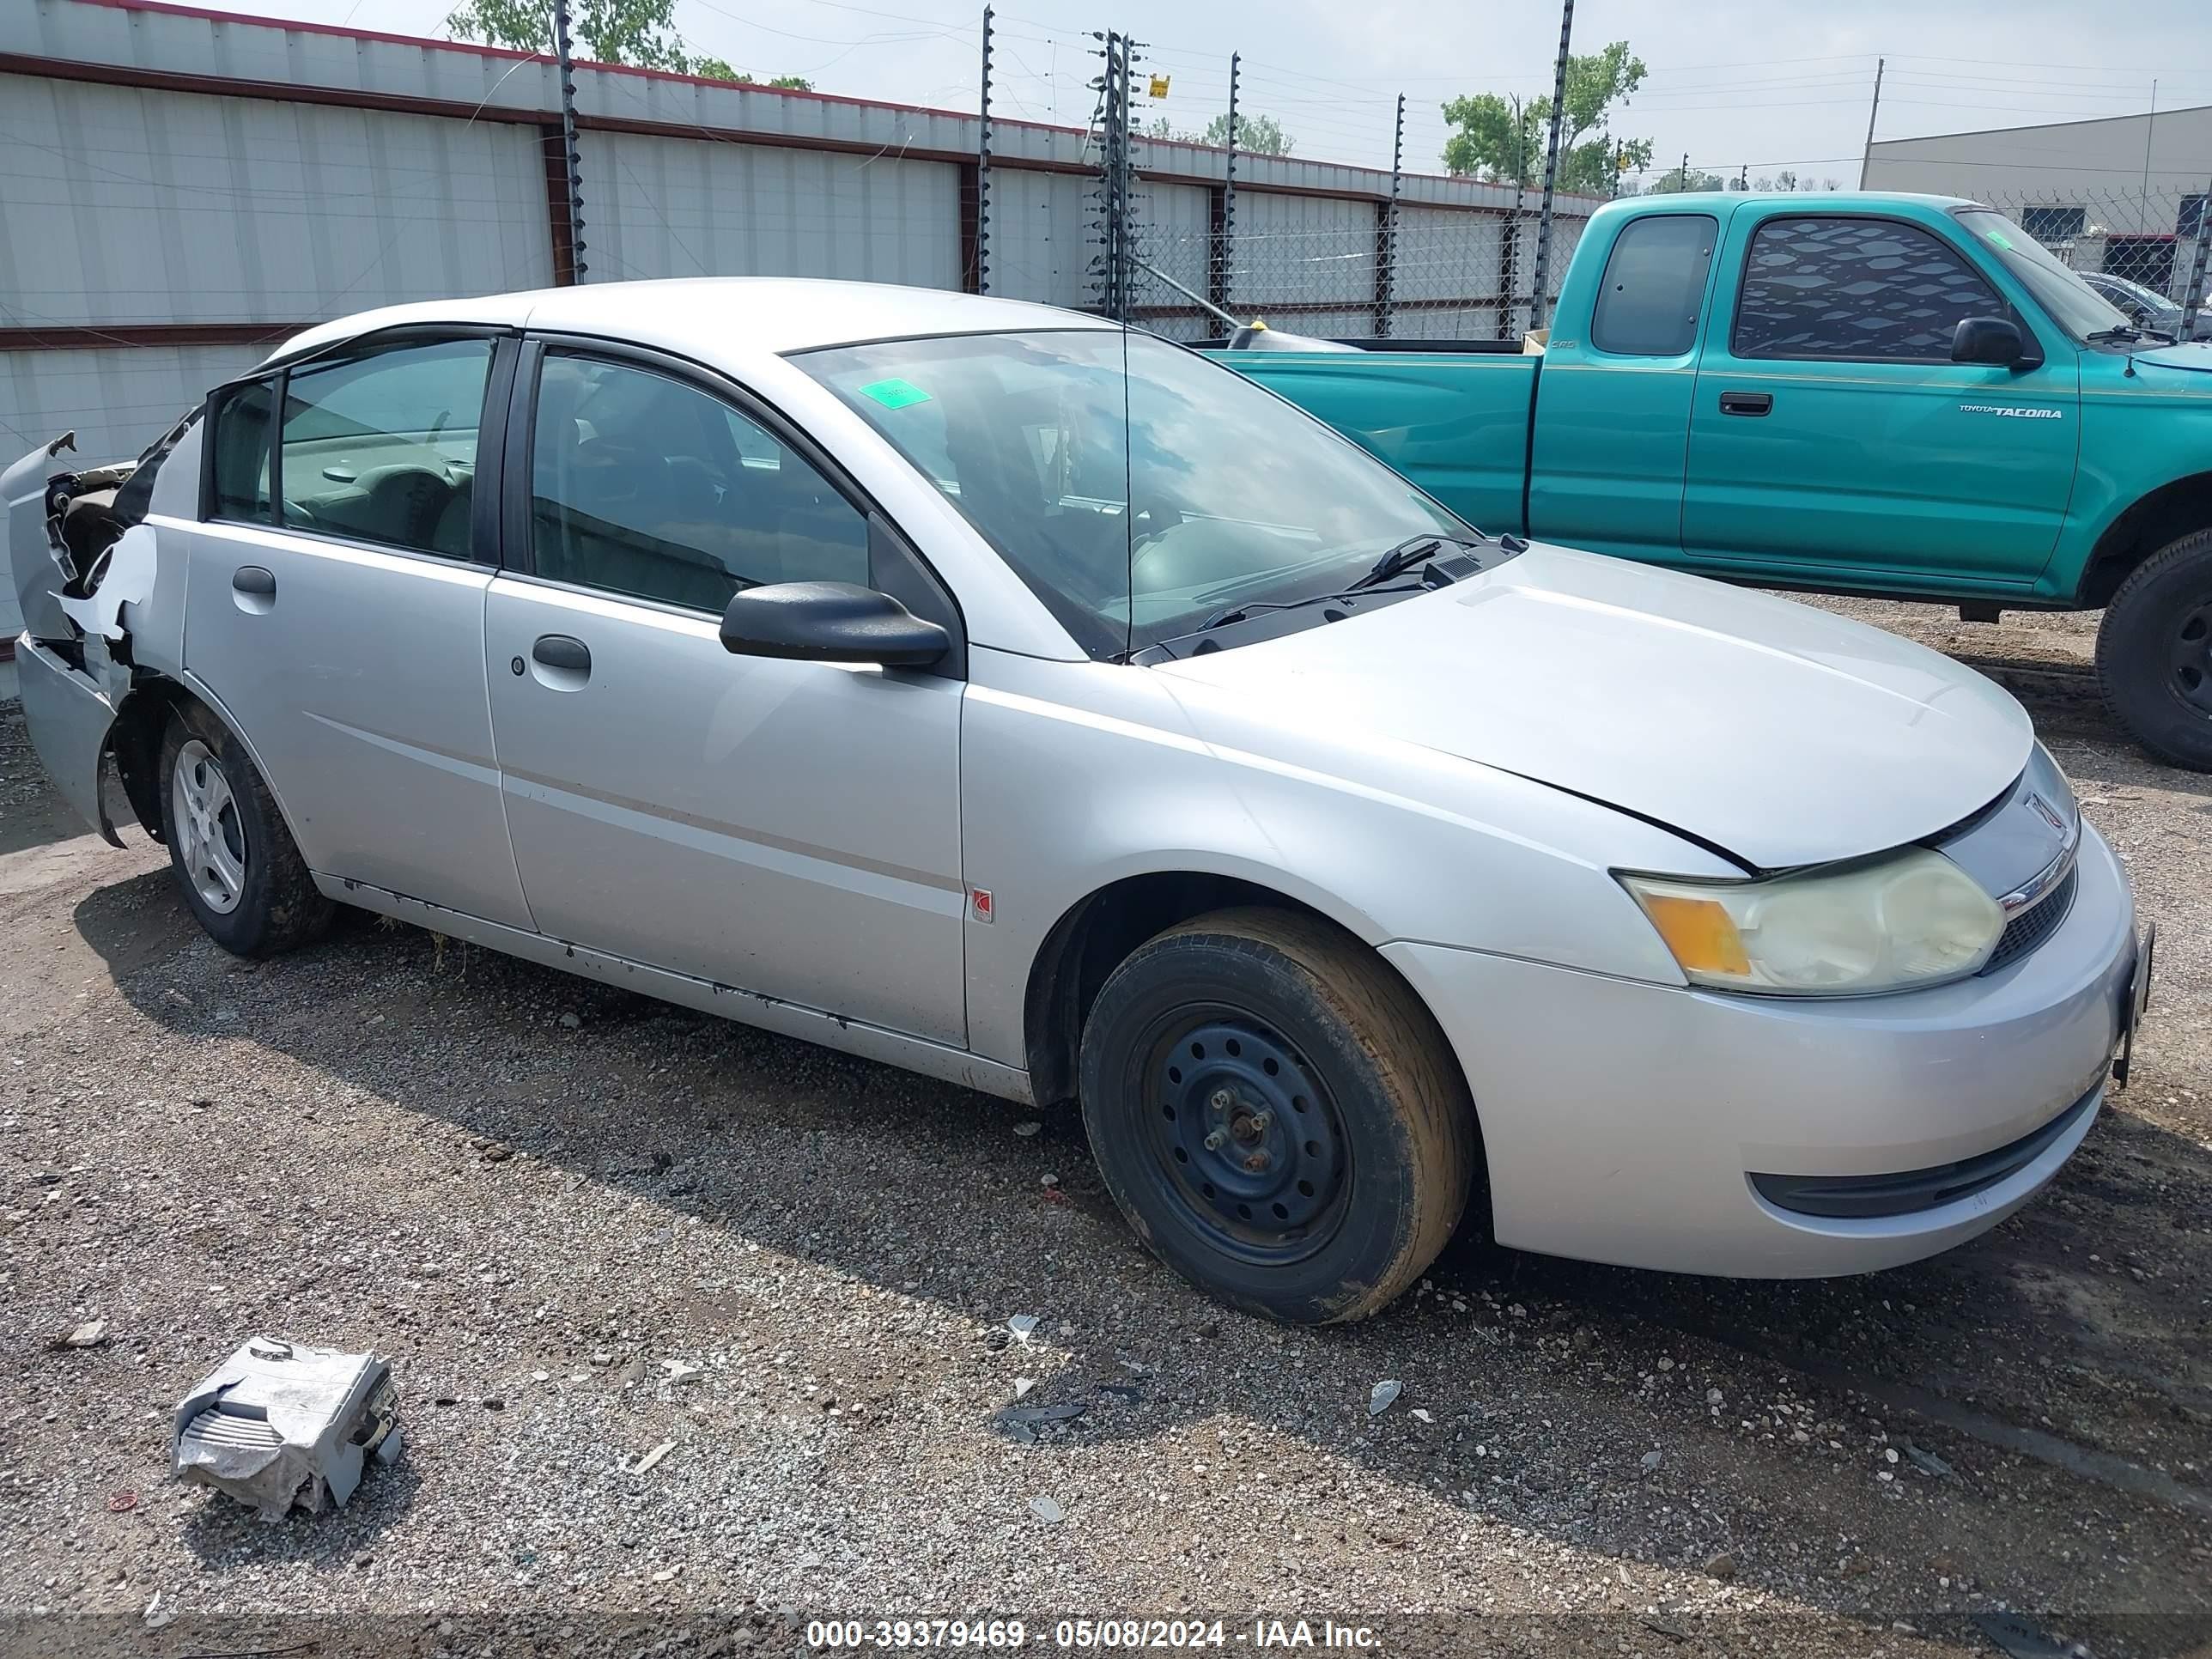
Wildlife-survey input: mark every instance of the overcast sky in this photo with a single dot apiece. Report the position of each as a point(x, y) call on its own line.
point(1769, 85)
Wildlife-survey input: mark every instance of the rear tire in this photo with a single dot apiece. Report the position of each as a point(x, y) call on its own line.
point(2154, 652)
point(1276, 1114)
point(241, 873)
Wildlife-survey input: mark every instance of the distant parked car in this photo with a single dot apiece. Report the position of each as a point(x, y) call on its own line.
point(2147, 307)
point(987, 689)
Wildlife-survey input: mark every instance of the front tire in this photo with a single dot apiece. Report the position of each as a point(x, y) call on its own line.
point(241, 873)
point(1276, 1114)
point(2154, 652)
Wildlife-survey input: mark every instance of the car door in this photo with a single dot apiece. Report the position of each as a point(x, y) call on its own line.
point(335, 600)
point(1605, 459)
point(786, 828)
point(1833, 432)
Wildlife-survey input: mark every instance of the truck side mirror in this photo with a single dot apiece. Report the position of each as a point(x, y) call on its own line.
point(1995, 341)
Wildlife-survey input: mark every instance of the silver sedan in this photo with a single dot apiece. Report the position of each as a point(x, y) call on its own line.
point(996, 693)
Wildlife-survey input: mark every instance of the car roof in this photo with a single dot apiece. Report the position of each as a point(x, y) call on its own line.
point(731, 318)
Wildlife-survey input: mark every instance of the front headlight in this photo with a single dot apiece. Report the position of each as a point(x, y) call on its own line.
point(1913, 918)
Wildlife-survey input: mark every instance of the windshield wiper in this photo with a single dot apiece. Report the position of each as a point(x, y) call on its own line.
point(2118, 334)
point(1412, 551)
point(1238, 613)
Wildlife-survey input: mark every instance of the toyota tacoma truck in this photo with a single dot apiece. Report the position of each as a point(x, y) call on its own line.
point(1899, 395)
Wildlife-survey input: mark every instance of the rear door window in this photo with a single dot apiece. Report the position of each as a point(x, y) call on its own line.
point(1655, 286)
point(383, 447)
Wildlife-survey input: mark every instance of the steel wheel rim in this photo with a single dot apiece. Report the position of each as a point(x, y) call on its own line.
point(211, 837)
point(1244, 1138)
point(2191, 660)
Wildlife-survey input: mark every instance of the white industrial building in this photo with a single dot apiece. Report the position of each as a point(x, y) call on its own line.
point(2123, 194)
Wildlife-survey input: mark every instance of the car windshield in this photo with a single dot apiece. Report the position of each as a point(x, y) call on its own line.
point(2078, 309)
point(1135, 502)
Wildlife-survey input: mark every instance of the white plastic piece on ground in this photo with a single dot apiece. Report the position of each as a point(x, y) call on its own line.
point(128, 579)
point(280, 1423)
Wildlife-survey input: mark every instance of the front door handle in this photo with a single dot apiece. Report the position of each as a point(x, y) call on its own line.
point(564, 662)
point(562, 651)
point(1746, 403)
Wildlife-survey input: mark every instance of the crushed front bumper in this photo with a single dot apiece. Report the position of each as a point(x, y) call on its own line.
point(1625, 1121)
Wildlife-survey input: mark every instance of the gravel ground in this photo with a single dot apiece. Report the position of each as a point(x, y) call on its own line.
point(583, 1227)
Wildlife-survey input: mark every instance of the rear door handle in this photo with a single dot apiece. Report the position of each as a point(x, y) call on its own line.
point(562, 651)
point(252, 579)
point(1746, 403)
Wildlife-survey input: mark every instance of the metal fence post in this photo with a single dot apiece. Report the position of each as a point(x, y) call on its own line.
point(1386, 265)
point(984, 169)
point(1539, 299)
point(572, 158)
point(1225, 251)
point(2193, 300)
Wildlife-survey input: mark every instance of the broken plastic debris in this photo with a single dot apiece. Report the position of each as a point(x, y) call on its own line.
point(1047, 1510)
point(1926, 1462)
point(128, 579)
point(1023, 1326)
point(280, 1423)
point(653, 1458)
point(1381, 1397)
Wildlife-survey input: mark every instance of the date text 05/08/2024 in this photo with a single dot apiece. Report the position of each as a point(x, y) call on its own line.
point(830, 1635)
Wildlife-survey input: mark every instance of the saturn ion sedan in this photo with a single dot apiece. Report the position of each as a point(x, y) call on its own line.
point(992, 691)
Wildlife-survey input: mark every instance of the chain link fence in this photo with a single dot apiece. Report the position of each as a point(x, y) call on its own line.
point(2143, 249)
point(1347, 270)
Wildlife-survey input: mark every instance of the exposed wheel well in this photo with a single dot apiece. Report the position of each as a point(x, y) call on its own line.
point(135, 741)
point(2166, 514)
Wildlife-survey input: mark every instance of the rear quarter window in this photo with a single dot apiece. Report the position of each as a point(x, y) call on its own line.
point(238, 445)
point(1655, 286)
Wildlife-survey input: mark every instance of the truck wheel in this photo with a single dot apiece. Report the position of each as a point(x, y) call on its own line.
point(2154, 652)
point(242, 875)
point(1276, 1114)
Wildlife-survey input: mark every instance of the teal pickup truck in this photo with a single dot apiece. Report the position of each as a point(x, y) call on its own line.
point(1903, 396)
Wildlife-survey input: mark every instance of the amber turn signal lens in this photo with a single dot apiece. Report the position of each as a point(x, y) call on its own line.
point(1700, 931)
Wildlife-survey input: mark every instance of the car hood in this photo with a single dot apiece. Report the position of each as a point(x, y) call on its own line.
point(2196, 355)
point(1779, 733)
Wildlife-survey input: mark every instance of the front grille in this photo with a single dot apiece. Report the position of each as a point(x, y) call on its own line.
point(1913, 1191)
point(2034, 924)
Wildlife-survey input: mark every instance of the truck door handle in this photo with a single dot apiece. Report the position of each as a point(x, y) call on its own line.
point(561, 650)
point(1746, 403)
point(253, 580)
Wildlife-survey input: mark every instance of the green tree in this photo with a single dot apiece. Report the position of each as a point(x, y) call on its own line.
point(1501, 138)
point(639, 32)
point(1256, 135)
point(1676, 180)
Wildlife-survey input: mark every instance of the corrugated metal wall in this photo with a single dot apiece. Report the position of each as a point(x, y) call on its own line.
point(679, 207)
point(180, 188)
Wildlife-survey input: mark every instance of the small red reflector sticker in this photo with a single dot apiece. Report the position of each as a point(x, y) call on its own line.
point(979, 904)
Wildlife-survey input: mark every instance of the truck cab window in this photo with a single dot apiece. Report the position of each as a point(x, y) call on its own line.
point(1839, 286)
point(1655, 286)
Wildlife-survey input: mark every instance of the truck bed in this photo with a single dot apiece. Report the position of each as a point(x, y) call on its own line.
point(1454, 415)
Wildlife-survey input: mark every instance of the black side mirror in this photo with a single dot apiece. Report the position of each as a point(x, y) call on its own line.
point(829, 621)
point(1995, 341)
